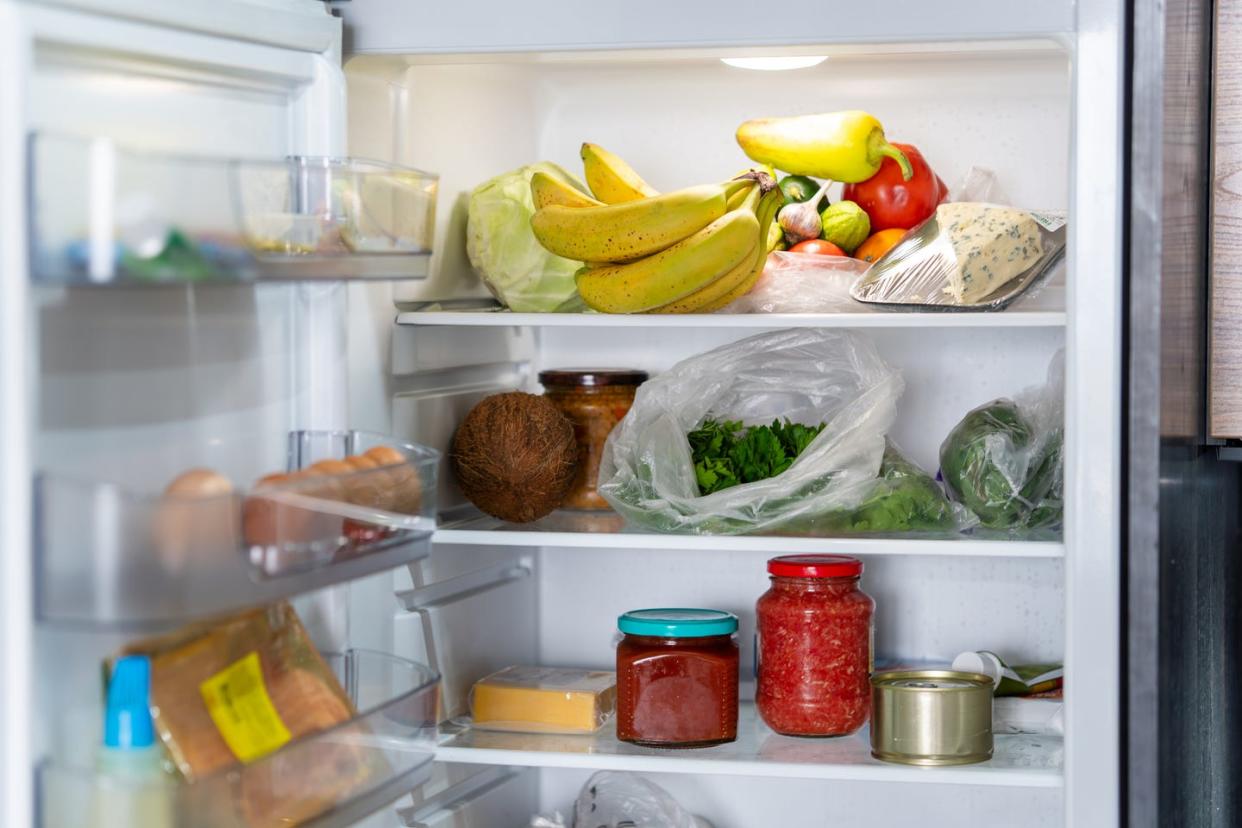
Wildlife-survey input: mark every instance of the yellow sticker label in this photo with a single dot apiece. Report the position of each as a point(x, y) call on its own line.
point(237, 700)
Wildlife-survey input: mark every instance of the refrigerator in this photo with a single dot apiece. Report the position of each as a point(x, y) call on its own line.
point(109, 383)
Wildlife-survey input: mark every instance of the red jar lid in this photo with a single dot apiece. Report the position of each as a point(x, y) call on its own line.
point(815, 566)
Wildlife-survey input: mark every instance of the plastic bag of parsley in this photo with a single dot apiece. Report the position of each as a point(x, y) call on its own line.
point(1004, 460)
point(779, 386)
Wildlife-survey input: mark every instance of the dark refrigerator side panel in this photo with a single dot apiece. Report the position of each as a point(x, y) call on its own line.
point(1181, 743)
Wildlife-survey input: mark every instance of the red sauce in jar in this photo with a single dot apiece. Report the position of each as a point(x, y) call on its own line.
point(814, 627)
point(677, 678)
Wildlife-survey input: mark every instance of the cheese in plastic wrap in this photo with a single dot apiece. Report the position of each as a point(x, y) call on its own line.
point(967, 256)
point(544, 700)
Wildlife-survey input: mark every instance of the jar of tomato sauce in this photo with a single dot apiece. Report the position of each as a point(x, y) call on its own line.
point(814, 647)
point(594, 401)
point(677, 677)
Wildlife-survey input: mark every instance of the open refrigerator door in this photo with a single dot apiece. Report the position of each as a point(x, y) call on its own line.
point(222, 215)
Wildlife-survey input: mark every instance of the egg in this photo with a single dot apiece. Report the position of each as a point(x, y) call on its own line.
point(367, 484)
point(196, 516)
point(199, 482)
point(405, 489)
point(271, 521)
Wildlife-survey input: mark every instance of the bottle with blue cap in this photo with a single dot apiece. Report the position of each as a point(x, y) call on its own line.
point(133, 789)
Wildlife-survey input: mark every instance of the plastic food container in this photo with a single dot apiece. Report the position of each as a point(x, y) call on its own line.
point(677, 677)
point(594, 401)
point(318, 206)
point(103, 214)
point(814, 647)
point(931, 717)
point(119, 550)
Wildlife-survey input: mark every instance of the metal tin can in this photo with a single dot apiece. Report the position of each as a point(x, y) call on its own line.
point(931, 717)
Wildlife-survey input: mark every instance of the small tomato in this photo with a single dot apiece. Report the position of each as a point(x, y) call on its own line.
point(824, 248)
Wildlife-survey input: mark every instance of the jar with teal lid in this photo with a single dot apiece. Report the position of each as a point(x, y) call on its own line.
point(677, 672)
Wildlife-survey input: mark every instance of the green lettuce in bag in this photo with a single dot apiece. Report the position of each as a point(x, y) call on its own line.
point(503, 250)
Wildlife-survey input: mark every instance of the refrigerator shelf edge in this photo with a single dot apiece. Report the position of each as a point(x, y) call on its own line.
point(496, 318)
point(606, 530)
point(355, 768)
point(1018, 761)
point(104, 215)
point(122, 554)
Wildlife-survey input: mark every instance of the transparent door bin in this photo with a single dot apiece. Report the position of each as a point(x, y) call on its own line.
point(102, 214)
point(125, 553)
point(331, 778)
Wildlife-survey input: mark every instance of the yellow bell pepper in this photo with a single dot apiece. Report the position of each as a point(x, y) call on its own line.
point(840, 146)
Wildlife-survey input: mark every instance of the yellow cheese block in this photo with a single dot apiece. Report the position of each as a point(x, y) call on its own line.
point(544, 700)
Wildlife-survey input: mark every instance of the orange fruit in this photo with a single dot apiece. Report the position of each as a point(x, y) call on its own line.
point(877, 244)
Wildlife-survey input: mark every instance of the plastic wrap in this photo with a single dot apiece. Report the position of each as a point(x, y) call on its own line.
point(544, 700)
point(966, 256)
point(803, 283)
point(903, 498)
point(625, 800)
point(1004, 460)
point(239, 688)
point(807, 376)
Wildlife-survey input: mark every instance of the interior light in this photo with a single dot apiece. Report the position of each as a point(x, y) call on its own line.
point(775, 64)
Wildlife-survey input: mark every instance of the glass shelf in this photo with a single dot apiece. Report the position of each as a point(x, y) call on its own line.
point(106, 215)
point(128, 552)
point(608, 530)
point(331, 778)
point(1018, 760)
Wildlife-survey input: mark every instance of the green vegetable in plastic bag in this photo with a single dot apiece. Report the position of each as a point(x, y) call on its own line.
point(1003, 469)
point(904, 499)
point(504, 252)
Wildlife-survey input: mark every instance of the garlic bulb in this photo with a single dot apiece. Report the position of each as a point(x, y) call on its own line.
point(800, 220)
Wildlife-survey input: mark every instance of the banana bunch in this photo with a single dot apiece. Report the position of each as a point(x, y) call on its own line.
point(690, 251)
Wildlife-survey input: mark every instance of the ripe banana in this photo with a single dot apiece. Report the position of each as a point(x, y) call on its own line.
point(625, 232)
point(546, 189)
point(741, 279)
point(674, 272)
point(612, 180)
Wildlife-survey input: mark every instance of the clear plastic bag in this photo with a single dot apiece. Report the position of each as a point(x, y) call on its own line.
point(804, 283)
point(625, 800)
point(967, 256)
point(902, 499)
point(807, 376)
point(1004, 461)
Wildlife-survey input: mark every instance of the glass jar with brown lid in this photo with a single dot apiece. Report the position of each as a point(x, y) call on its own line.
point(594, 400)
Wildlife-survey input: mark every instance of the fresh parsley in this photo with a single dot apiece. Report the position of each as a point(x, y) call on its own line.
point(726, 454)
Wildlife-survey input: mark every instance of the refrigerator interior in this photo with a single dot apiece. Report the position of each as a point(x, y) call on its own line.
point(117, 374)
point(671, 114)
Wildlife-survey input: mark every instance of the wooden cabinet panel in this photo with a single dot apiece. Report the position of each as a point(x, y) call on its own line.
point(1225, 292)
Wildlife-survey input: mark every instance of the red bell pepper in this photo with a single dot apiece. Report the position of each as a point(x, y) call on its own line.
point(891, 201)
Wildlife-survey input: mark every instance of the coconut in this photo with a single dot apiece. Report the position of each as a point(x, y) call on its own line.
point(515, 456)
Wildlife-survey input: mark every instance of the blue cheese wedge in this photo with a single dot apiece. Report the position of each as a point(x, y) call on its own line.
point(994, 245)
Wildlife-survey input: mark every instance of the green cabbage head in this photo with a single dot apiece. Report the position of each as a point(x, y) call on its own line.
point(504, 251)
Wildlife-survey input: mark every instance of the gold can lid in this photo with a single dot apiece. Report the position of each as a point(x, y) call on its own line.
point(923, 680)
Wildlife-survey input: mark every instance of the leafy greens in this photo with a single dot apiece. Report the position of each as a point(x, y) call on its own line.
point(726, 454)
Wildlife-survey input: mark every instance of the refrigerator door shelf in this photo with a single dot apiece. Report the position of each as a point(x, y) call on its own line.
point(331, 778)
point(107, 215)
point(127, 553)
